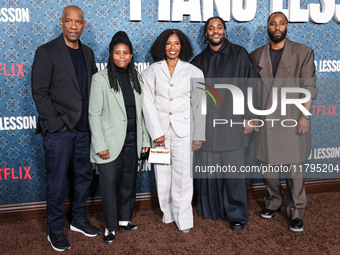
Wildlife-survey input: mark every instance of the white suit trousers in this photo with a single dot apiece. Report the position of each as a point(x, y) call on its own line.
point(174, 182)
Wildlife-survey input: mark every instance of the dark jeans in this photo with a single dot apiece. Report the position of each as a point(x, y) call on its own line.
point(62, 148)
point(117, 180)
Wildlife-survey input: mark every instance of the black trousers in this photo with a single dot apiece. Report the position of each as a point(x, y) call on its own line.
point(62, 148)
point(117, 180)
point(224, 195)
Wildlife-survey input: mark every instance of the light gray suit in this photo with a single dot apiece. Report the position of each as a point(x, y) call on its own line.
point(171, 107)
point(173, 100)
point(283, 145)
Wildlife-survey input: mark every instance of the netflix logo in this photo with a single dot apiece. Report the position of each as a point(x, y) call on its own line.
point(11, 69)
point(320, 109)
point(12, 173)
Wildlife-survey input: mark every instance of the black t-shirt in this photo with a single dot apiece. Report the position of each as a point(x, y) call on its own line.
point(275, 56)
point(79, 65)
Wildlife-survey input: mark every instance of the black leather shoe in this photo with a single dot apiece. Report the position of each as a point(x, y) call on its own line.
point(129, 227)
point(268, 214)
point(235, 225)
point(296, 225)
point(109, 237)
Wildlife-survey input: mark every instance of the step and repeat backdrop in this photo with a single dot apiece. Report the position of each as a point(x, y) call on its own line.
point(27, 24)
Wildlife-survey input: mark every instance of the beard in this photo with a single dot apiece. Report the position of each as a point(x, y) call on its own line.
point(277, 39)
point(212, 42)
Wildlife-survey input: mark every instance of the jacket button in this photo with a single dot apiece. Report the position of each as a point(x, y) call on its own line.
point(170, 113)
point(171, 85)
point(171, 99)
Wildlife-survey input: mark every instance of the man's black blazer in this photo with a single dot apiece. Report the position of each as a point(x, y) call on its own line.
point(55, 88)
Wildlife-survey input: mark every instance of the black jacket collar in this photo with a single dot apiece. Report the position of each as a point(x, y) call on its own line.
point(210, 52)
point(61, 42)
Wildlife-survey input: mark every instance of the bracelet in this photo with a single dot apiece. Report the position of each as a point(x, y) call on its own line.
point(304, 117)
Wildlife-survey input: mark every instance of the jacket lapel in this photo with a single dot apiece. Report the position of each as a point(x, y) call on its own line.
point(178, 67)
point(285, 62)
point(65, 55)
point(116, 95)
point(89, 69)
point(165, 68)
point(282, 70)
point(265, 65)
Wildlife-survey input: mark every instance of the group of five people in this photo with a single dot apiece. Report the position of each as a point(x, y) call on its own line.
point(108, 118)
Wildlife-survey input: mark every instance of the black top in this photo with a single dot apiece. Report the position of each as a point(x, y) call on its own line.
point(79, 65)
point(233, 63)
point(129, 98)
point(275, 56)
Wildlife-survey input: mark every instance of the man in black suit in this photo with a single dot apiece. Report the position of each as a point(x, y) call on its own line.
point(61, 76)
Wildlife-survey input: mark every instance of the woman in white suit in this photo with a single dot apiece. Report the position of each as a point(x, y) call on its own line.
point(118, 134)
point(173, 118)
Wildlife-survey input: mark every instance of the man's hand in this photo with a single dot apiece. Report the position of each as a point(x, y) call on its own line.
point(247, 129)
point(104, 154)
point(303, 126)
point(256, 124)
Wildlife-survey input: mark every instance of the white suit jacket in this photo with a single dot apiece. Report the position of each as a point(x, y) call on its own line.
point(173, 100)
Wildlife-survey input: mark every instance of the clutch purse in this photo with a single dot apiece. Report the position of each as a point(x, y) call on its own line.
point(159, 155)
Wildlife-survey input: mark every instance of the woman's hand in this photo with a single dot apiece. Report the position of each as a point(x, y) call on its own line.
point(145, 149)
point(104, 154)
point(160, 141)
point(196, 145)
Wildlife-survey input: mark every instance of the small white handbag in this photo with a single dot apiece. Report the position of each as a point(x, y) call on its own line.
point(159, 155)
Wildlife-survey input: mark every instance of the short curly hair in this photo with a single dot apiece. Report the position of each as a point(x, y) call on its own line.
point(158, 47)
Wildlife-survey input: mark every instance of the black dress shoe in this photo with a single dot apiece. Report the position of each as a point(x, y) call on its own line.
point(268, 214)
point(129, 227)
point(109, 237)
point(296, 225)
point(235, 225)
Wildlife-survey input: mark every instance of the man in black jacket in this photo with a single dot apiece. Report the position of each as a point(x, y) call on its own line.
point(61, 77)
point(221, 62)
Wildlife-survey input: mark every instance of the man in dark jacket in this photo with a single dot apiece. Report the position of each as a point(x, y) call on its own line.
point(225, 144)
point(61, 76)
